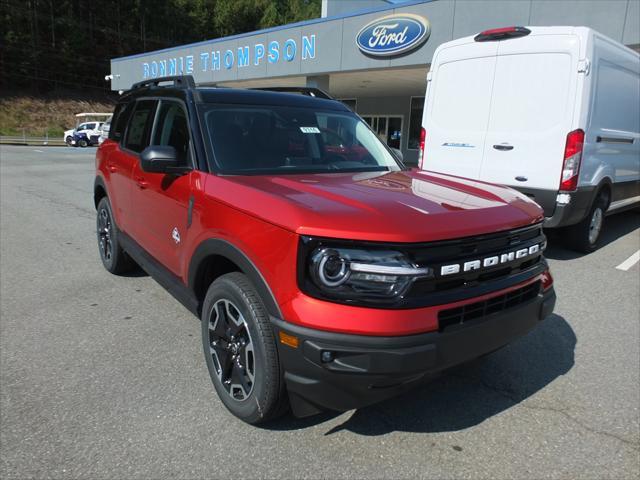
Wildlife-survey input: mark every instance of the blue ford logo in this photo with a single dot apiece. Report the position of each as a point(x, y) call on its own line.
point(393, 35)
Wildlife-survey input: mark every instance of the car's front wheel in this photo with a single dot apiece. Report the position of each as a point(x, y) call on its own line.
point(240, 350)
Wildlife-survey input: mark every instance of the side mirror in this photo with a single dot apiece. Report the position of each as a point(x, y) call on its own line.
point(161, 159)
point(398, 154)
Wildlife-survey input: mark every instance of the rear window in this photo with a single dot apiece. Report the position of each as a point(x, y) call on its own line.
point(119, 120)
point(531, 92)
point(139, 126)
point(264, 139)
point(461, 101)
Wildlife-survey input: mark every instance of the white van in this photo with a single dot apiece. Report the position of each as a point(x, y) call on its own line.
point(551, 111)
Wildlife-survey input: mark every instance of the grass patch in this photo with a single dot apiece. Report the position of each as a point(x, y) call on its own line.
point(37, 116)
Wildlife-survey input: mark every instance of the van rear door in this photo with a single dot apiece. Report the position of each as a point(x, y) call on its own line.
point(457, 108)
point(532, 105)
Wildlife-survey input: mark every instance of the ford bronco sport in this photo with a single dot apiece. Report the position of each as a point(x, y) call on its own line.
point(324, 278)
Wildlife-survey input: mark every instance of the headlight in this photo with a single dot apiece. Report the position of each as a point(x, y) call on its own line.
point(358, 274)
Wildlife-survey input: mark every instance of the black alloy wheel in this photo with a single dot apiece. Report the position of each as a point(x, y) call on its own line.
point(113, 257)
point(232, 350)
point(240, 350)
point(105, 229)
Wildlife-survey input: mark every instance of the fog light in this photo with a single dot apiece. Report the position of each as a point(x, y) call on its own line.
point(326, 357)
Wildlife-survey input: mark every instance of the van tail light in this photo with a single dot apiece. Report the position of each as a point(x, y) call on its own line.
point(502, 34)
point(572, 158)
point(423, 137)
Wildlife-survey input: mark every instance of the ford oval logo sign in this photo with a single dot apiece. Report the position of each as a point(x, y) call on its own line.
point(393, 35)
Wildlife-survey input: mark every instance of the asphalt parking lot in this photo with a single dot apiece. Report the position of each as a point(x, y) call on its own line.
point(104, 377)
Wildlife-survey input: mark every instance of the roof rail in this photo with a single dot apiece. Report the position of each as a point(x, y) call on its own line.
point(179, 81)
point(308, 91)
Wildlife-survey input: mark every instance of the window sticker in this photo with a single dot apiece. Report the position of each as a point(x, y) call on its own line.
point(309, 129)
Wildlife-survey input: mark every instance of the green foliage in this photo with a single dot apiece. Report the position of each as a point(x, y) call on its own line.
point(49, 44)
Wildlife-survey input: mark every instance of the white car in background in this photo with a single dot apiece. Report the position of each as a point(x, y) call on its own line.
point(88, 128)
point(104, 131)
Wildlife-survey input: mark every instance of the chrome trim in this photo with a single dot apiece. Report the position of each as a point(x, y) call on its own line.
point(386, 270)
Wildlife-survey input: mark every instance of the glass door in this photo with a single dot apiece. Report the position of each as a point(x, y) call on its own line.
point(387, 127)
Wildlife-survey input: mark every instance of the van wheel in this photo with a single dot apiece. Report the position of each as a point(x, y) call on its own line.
point(113, 257)
point(584, 236)
point(82, 143)
point(240, 350)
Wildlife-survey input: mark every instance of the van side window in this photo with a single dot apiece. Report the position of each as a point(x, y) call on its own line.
point(172, 129)
point(616, 98)
point(119, 122)
point(138, 130)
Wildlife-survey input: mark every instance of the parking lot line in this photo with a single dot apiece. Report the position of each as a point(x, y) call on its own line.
point(629, 262)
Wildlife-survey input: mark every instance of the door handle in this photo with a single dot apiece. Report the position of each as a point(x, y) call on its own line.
point(600, 139)
point(503, 147)
point(141, 183)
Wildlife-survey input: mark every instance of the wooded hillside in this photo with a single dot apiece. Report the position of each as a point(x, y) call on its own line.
point(67, 44)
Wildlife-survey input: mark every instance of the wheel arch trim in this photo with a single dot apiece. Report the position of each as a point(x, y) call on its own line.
point(604, 182)
point(223, 248)
point(99, 183)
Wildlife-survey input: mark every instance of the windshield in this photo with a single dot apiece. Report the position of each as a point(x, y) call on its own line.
point(265, 139)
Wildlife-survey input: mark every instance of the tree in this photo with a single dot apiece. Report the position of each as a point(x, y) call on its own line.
point(67, 44)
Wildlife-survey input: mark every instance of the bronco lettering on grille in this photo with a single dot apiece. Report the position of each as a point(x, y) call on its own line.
point(492, 261)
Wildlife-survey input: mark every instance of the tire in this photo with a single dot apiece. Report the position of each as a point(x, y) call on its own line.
point(113, 257)
point(240, 350)
point(585, 235)
point(68, 141)
point(83, 143)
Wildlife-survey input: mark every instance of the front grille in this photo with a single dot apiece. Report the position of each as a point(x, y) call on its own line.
point(449, 288)
point(479, 310)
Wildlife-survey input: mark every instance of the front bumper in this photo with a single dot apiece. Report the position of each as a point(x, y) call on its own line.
point(365, 370)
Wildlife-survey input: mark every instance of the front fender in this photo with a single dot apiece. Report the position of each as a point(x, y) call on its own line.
point(215, 246)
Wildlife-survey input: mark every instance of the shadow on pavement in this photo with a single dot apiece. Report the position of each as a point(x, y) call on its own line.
point(615, 227)
point(468, 395)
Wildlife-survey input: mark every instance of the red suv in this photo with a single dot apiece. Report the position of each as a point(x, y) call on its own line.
point(323, 281)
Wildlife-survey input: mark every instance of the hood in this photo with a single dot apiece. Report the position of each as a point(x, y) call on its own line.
point(405, 206)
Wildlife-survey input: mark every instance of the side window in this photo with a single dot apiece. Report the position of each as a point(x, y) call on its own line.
point(172, 129)
point(139, 125)
point(119, 122)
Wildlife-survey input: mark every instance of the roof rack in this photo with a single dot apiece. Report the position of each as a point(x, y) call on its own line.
point(308, 91)
point(179, 81)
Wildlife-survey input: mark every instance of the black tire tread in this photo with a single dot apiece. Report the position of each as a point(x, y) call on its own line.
point(578, 234)
point(123, 263)
point(274, 397)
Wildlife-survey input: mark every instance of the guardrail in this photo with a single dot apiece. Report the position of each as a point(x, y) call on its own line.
point(25, 140)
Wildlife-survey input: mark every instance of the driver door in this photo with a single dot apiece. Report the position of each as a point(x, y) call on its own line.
point(160, 201)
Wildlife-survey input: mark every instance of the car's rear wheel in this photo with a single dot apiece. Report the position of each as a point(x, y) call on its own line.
point(240, 350)
point(83, 143)
point(584, 236)
point(113, 257)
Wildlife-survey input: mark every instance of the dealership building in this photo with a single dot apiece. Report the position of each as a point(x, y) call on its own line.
point(372, 54)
